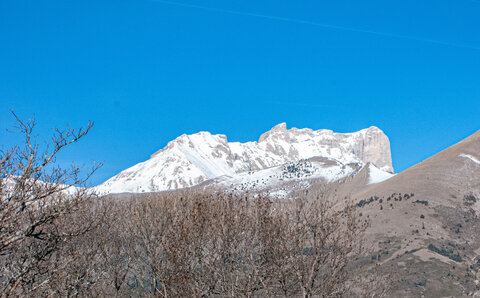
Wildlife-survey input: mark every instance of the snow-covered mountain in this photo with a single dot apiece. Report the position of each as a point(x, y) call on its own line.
point(192, 159)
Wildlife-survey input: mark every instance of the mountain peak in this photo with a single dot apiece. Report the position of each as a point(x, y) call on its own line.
point(280, 127)
point(373, 128)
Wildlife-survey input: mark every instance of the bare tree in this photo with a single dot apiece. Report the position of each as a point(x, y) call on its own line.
point(217, 244)
point(35, 197)
point(318, 242)
point(114, 257)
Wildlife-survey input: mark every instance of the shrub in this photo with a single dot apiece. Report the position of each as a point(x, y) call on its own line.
point(447, 253)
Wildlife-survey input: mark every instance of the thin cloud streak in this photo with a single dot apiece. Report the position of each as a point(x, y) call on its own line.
point(316, 24)
point(306, 105)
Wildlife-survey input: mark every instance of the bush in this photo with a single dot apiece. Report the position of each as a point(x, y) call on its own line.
point(421, 202)
point(447, 253)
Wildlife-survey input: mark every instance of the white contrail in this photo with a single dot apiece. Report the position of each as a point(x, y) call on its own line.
point(306, 105)
point(316, 24)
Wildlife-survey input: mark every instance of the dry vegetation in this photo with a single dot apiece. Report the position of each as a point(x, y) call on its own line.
point(182, 244)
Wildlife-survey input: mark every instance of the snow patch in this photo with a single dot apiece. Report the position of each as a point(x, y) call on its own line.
point(471, 158)
point(376, 175)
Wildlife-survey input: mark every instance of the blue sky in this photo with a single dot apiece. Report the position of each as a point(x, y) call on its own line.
point(149, 71)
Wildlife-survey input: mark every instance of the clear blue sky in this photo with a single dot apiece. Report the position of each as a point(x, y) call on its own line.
point(149, 71)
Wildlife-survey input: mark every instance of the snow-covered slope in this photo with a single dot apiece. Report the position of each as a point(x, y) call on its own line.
point(376, 175)
point(193, 159)
point(9, 183)
point(288, 177)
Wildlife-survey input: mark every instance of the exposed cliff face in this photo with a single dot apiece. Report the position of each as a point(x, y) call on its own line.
point(192, 159)
point(368, 145)
point(372, 145)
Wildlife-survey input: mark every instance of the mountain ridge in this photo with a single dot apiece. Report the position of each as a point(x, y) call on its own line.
point(192, 159)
